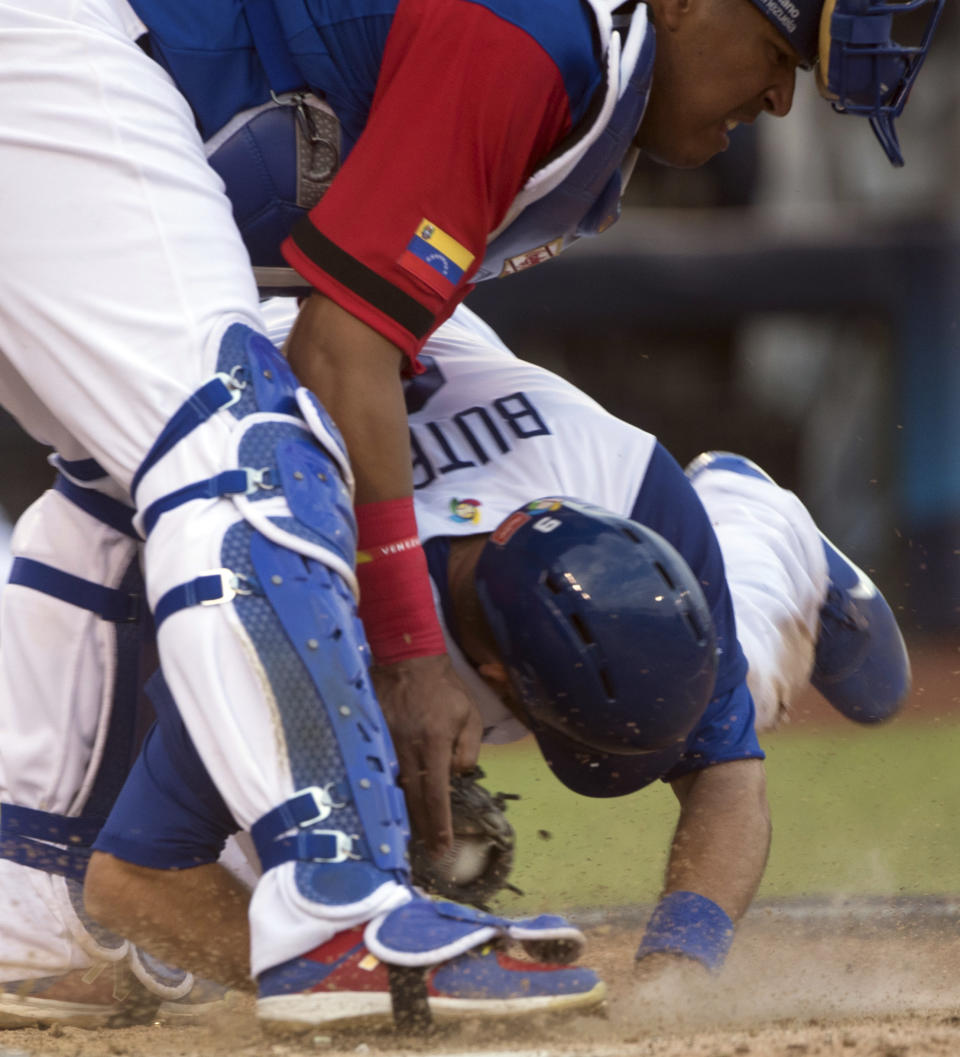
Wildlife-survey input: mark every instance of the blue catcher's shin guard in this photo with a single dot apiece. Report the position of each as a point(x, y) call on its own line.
point(334, 852)
point(287, 569)
point(302, 620)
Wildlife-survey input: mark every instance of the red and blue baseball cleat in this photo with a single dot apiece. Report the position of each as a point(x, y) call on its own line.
point(342, 985)
point(861, 665)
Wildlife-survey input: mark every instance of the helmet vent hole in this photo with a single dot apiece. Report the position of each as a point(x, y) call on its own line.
point(666, 576)
point(631, 535)
point(554, 583)
point(698, 632)
point(582, 630)
point(607, 684)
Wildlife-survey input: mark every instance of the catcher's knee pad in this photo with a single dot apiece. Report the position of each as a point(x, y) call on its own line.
point(287, 572)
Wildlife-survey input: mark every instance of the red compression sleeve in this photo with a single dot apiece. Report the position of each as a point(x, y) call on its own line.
point(396, 602)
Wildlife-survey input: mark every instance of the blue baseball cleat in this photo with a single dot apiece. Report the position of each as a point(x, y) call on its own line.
point(861, 665)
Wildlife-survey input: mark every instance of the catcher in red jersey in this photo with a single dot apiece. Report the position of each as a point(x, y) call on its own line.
point(439, 141)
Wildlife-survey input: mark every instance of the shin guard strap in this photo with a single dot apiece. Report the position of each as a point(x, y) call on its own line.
point(230, 482)
point(119, 607)
point(276, 844)
point(221, 391)
point(213, 588)
point(312, 845)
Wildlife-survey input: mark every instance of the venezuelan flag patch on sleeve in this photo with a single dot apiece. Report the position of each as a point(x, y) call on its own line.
point(435, 257)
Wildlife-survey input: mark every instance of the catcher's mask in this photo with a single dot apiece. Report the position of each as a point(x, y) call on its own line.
point(861, 69)
point(607, 637)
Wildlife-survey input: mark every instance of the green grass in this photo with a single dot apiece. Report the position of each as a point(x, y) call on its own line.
point(855, 811)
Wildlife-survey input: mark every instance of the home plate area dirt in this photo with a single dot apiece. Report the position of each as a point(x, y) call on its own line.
point(865, 979)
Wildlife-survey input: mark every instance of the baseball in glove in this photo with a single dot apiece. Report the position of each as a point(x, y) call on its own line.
point(481, 856)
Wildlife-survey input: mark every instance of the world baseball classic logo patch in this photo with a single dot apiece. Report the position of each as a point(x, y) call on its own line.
point(435, 257)
point(465, 511)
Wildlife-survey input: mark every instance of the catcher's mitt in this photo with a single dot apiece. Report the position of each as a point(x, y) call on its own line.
point(481, 856)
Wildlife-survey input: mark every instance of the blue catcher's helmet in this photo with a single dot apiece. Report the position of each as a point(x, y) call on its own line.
point(863, 70)
point(607, 637)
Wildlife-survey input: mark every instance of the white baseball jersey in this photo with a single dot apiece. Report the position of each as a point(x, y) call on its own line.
point(489, 432)
point(485, 440)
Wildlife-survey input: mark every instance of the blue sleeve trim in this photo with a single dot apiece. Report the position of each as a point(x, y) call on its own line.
point(668, 504)
point(725, 733)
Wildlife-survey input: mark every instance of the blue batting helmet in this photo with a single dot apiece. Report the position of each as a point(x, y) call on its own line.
point(607, 637)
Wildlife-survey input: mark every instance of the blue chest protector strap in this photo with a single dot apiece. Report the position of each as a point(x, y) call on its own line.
point(587, 200)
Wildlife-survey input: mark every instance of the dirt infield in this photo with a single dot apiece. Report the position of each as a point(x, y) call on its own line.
point(870, 978)
point(866, 980)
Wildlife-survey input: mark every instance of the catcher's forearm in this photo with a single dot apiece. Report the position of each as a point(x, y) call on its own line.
point(717, 859)
point(355, 372)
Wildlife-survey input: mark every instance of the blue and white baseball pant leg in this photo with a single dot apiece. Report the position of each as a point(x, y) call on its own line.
point(60, 670)
point(777, 574)
point(71, 728)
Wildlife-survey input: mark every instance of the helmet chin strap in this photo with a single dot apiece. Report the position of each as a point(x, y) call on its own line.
point(863, 70)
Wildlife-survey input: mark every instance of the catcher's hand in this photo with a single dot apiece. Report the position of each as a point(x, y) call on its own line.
point(480, 859)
